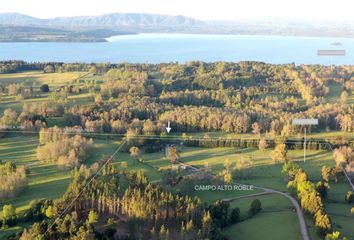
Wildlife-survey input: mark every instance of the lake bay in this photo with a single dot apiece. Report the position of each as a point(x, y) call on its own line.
point(157, 48)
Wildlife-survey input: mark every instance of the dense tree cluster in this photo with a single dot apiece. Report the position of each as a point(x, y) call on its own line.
point(61, 148)
point(144, 208)
point(13, 180)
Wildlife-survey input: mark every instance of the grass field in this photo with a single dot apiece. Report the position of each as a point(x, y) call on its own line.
point(44, 180)
point(335, 91)
point(320, 135)
point(35, 79)
point(275, 221)
point(38, 78)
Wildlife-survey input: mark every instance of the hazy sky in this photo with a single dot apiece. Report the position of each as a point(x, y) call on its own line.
point(201, 9)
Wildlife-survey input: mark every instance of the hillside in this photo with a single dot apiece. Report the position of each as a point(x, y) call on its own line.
point(114, 20)
point(126, 23)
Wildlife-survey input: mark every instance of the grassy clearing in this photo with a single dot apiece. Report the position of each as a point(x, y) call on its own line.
point(152, 173)
point(44, 180)
point(335, 91)
point(38, 77)
point(35, 79)
point(275, 221)
point(264, 172)
point(339, 210)
point(266, 226)
point(320, 135)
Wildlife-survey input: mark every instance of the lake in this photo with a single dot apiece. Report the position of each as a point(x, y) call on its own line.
point(157, 48)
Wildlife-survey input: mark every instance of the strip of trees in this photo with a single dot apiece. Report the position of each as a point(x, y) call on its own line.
point(310, 195)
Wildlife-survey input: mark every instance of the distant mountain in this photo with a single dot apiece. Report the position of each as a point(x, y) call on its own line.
point(126, 19)
point(96, 28)
point(18, 19)
point(104, 21)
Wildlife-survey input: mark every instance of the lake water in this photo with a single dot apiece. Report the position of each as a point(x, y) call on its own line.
point(156, 48)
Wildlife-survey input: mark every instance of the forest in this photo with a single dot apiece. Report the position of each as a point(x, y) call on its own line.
point(99, 132)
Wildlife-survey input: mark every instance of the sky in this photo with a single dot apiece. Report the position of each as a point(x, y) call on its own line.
point(341, 10)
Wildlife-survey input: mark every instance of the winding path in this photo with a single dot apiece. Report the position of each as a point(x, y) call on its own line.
point(300, 215)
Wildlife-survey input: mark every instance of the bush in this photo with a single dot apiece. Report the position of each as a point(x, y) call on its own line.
point(44, 88)
point(235, 215)
point(349, 197)
point(256, 207)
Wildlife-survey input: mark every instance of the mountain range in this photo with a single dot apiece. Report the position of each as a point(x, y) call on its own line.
point(19, 27)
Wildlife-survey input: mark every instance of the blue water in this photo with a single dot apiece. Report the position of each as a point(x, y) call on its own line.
point(156, 48)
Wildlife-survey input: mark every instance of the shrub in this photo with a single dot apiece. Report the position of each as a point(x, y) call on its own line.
point(349, 197)
point(44, 88)
point(256, 207)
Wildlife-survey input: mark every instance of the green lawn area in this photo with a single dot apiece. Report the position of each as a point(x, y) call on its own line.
point(152, 173)
point(264, 172)
point(277, 220)
point(320, 135)
point(335, 91)
point(44, 180)
point(35, 79)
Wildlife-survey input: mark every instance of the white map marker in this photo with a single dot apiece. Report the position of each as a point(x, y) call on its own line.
point(168, 129)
